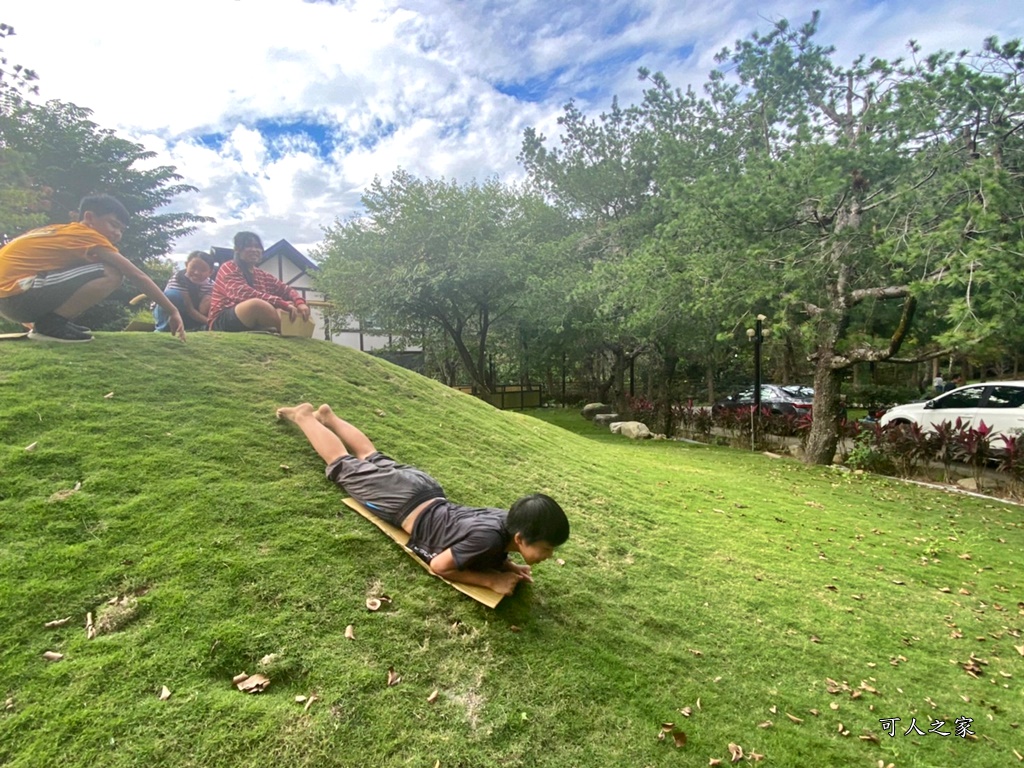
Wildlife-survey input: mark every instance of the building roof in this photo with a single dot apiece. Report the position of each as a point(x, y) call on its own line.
point(281, 248)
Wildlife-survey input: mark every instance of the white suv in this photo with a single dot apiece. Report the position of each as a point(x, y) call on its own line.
point(999, 404)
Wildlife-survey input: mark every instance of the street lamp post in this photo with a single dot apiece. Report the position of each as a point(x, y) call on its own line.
point(756, 335)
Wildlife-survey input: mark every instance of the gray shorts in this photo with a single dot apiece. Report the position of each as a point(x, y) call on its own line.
point(388, 489)
point(47, 291)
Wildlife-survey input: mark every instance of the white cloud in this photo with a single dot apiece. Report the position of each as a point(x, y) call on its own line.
point(421, 84)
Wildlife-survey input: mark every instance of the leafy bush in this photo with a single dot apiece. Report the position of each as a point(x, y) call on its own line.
point(974, 448)
point(1011, 462)
point(868, 453)
point(642, 409)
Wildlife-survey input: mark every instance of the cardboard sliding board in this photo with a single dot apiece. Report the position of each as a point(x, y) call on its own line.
point(297, 327)
point(13, 336)
point(488, 597)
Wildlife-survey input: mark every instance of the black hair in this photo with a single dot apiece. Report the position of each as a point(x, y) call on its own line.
point(101, 205)
point(242, 241)
point(539, 518)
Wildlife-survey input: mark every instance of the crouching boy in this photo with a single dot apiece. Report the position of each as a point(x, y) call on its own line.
point(51, 275)
point(464, 544)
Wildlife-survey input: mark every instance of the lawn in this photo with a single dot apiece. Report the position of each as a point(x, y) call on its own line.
point(744, 599)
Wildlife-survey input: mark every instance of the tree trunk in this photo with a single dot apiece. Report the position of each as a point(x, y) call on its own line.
point(824, 437)
point(671, 362)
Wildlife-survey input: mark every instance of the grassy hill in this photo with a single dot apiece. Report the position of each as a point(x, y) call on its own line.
point(787, 608)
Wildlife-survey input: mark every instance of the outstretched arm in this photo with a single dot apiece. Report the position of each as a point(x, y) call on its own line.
point(143, 283)
point(502, 582)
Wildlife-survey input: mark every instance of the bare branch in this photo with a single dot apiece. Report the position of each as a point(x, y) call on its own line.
point(888, 292)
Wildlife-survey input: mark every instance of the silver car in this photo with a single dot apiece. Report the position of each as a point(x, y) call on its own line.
point(999, 404)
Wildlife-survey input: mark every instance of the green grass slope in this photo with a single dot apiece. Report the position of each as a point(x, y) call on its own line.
point(784, 609)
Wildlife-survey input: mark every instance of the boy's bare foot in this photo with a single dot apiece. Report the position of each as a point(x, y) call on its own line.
point(295, 412)
point(324, 413)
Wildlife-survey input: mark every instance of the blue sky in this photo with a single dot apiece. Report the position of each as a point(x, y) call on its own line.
point(281, 112)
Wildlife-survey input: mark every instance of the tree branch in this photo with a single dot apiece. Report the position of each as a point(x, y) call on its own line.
point(888, 292)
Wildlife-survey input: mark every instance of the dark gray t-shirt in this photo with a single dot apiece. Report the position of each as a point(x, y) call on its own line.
point(477, 536)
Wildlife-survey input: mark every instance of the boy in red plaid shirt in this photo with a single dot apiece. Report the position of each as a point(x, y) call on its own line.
point(246, 298)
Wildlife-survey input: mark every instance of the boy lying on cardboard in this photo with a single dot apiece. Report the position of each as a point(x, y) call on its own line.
point(462, 544)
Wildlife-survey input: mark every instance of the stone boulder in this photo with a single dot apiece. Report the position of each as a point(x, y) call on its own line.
point(635, 430)
point(604, 419)
point(590, 410)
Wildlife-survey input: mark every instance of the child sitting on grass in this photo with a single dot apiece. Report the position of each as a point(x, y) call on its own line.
point(190, 290)
point(464, 544)
point(51, 275)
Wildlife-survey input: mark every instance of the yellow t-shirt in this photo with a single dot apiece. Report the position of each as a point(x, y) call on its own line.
point(58, 246)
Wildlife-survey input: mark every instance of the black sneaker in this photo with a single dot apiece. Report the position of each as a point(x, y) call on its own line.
point(79, 328)
point(56, 328)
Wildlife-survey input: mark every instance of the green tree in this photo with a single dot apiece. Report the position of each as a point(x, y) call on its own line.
point(439, 254)
point(71, 156)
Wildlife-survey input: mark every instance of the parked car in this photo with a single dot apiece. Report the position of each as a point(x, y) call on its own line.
point(778, 400)
point(999, 404)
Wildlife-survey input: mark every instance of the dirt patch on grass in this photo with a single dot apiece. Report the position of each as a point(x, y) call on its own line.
point(116, 614)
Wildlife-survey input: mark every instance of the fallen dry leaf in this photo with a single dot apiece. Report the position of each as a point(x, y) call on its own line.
point(393, 677)
point(108, 395)
point(869, 737)
point(714, 761)
point(380, 413)
point(9, 704)
point(285, 467)
point(765, 724)
point(350, 632)
point(965, 556)
point(432, 697)
point(947, 590)
point(686, 711)
point(309, 702)
point(815, 639)
point(832, 587)
point(1020, 757)
point(32, 447)
point(165, 693)
point(698, 704)
point(695, 652)
point(514, 628)
point(666, 727)
point(300, 699)
point(67, 493)
point(794, 718)
point(57, 623)
point(756, 757)
point(964, 591)
point(253, 684)
point(1019, 649)
point(814, 712)
point(90, 628)
point(735, 752)
point(679, 738)
point(773, 709)
point(833, 705)
point(560, 561)
point(239, 677)
point(372, 604)
point(53, 656)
